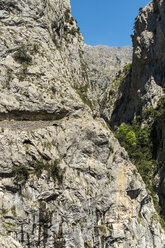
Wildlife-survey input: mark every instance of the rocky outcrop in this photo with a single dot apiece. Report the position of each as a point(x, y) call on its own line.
point(41, 51)
point(75, 187)
point(160, 153)
point(104, 63)
point(144, 86)
point(6, 242)
point(105, 70)
point(148, 79)
point(64, 179)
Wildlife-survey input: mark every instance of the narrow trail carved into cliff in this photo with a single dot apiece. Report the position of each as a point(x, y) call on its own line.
point(26, 120)
point(28, 125)
point(41, 115)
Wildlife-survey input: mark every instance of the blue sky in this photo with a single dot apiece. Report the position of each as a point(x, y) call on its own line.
point(106, 22)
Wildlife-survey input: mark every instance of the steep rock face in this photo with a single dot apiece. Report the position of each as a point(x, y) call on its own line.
point(105, 65)
point(144, 86)
point(159, 148)
point(64, 179)
point(149, 56)
point(6, 242)
point(40, 49)
point(101, 200)
point(148, 77)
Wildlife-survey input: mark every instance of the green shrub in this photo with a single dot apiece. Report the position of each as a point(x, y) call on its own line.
point(87, 244)
point(21, 173)
point(82, 92)
point(34, 49)
point(71, 21)
point(54, 25)
point(68, 18)
point(131, 138)
point(4, 211)
point(9, 78)
point(23, 72)
point(67, 15)
point(38, 168)
point(148, 113)
point(66, 29)
point(22, 56)
point(53, 169)
point(127, 68)
point(160, 110)
point(53, 89)
point(139, 143)
point(126, 136)
point(78, 30)
point(13, 210)
point(73, 31)
point(111, 92)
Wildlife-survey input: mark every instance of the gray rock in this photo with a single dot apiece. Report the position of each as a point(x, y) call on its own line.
point(148, 79)
point(104, 63)
point(104, 66)
point(64, 179)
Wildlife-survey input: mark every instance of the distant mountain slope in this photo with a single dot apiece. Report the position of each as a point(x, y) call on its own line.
point(105, 70)
point(104, 62)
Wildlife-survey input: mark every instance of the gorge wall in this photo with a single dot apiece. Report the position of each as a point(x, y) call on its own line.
point(104, 63)
point(65, 181)
point(143, 89)
point(147, 82)
point(105, 66)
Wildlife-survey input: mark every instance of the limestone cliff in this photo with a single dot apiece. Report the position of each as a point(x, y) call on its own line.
point(148, 79)
point(142, 93)
point(64, 179)
point(105, 65)
point(40, 49)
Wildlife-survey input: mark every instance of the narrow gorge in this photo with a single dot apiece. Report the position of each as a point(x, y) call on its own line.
point(68, 173)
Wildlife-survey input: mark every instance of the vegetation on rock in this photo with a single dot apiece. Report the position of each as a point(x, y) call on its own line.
point(53, 169)
point(82, 92)
point(139, 140)
point(22, 56)
point(21, 173)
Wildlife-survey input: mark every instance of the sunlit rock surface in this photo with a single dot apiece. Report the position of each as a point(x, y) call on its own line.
point(64, 179)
